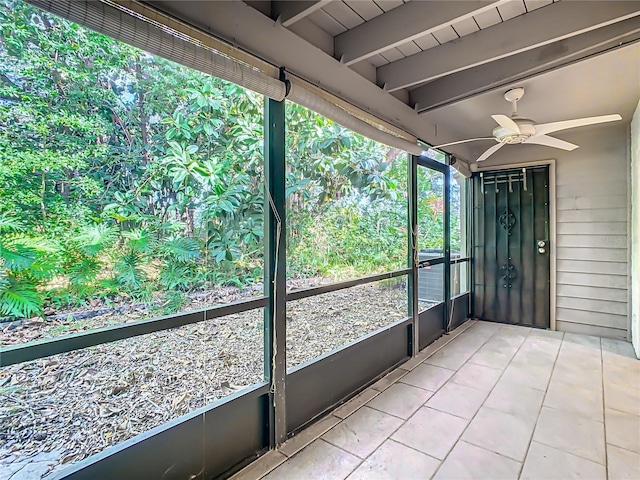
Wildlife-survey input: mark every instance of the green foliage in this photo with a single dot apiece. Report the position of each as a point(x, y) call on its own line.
point(92, 239)
point(126, 174)
point(19, 297)
point(173, 301)
point(25, 262)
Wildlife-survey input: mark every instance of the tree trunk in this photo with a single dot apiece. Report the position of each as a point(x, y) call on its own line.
point(144, 127)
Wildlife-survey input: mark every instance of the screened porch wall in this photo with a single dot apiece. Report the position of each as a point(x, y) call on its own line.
point(592, 234)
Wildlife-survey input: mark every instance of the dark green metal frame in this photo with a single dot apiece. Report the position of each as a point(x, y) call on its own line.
point(412, 184)
point(445, 169)
point(286, 401)
point(275, 274)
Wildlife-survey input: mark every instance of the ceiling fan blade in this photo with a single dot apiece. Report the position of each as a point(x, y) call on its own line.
point(545, 128)
point(551, 142)
point(490, 152)
point(506, 122)
point(463, 141)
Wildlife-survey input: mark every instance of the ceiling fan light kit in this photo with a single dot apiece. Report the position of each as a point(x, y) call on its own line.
point(515, 129)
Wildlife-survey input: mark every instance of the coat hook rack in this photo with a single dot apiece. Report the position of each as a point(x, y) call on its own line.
point(497, 178)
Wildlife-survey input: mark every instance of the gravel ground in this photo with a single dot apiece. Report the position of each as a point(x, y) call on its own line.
point(79, 403)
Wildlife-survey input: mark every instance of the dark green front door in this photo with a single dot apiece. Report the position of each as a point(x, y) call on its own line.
point(511, 269)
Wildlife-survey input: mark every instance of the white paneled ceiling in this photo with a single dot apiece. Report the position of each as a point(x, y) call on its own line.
point(351, 13)
point(488, 18)
point(419, 63)
point(367, 9)
point(339, 16)
point(511, 10)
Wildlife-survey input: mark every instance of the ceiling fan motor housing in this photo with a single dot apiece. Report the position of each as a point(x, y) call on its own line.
point(516, 130)
point(505, 135)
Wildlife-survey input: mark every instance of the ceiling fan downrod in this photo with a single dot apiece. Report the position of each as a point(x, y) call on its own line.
point(513, 95)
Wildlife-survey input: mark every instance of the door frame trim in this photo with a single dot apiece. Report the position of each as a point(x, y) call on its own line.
point(418, 162)
point(551, 163)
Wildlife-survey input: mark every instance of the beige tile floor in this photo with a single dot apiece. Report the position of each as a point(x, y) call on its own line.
point(495, 402)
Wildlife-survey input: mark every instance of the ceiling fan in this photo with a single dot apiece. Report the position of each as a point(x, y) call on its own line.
point(515, 129)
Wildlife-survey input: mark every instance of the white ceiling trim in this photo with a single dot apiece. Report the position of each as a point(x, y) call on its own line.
point(288, 13)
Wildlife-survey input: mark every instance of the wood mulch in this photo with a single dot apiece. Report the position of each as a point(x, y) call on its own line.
point(81, 402)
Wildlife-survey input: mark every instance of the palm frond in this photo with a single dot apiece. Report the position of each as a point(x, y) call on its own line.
point(128, 272)
point(140, 240)
point(19, 298)
point(176, 275)
point(9, 223)
point(181, 249)
point(16, 257)
point(96, 238)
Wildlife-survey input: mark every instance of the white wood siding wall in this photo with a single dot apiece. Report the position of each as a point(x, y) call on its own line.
point(592, 205)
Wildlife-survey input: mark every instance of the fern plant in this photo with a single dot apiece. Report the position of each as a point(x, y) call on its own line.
point(129, 273)
point(81, 256)
point(18, 297)
point(25, 261)
point(129, 268)
point(179, 266)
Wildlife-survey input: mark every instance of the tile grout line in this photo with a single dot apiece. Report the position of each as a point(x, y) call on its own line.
point(489, 393)
point(533, 432)
point(487, 397)
point(412, 448)
point(411, 416)
point(574, 414)
point(572, 454)
point(622, 411)
point(437, 390)
point(363, 460)
point(623, 448)
point(326, 417)
point(342, 419)
point(319, 437)
point(562, 411)
point(396, 416)
point(375, 449)
point(467, 326)
point(492, 336)
point(474, 416)
point(423, 361)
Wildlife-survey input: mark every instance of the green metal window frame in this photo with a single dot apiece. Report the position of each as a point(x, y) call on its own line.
point(275, 296)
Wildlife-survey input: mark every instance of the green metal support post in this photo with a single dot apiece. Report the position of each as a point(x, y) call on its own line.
point(447, 245)
point(413, 239)
point(275, 268)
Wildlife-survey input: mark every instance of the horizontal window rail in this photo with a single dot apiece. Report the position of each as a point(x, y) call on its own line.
point(437, 261)
point(430, 262)
point(430, 163)
point(456, 297)
point(334, 287)
point(459, 260)
point(47, 347)
point(13, 354)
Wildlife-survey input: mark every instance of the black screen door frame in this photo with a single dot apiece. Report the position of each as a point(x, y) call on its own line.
point(551, 165)
point(431, 323)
